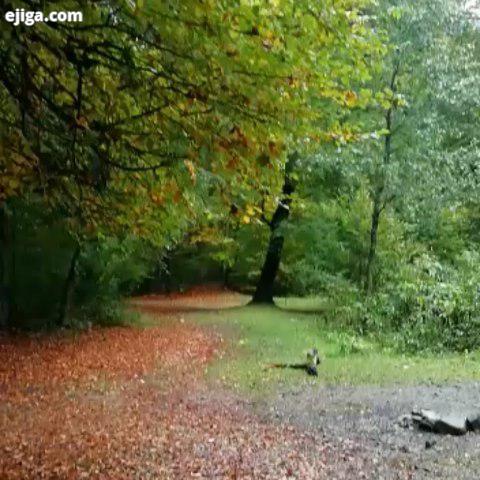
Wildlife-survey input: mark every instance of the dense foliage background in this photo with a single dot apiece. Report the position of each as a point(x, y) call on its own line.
point(166, 144)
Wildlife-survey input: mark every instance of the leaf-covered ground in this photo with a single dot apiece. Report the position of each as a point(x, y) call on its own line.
point(126, 403)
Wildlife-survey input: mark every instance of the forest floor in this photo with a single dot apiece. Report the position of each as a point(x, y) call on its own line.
point(184, 399)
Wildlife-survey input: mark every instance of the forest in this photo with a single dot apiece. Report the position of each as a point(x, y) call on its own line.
point(240, 180)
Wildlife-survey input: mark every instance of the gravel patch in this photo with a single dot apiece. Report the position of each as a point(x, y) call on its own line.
point(370, 416)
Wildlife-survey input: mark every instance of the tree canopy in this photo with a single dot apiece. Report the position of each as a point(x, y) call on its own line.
point(128, 111)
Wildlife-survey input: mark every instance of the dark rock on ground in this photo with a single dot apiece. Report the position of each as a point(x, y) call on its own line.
point(450, 424)
point(473, 421)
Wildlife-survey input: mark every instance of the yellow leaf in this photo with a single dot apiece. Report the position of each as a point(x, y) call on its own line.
point(350, 98)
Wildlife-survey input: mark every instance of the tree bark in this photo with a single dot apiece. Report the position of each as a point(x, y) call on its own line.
point(68, 288)
point(264, 289)
point(379, 202)
point(266, 282)
point(377, 210)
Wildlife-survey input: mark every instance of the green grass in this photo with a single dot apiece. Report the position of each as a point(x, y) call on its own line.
point(262, 335)
point(303, 304)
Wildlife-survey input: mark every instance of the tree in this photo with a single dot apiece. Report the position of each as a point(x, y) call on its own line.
point(334, 126)
point(112, 123)
point(379, 201)
point(414, 160)
point(264, 289)
point(417, 42)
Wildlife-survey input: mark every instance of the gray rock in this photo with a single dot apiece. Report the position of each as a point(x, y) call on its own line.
point(473, 421)
point(450, 424)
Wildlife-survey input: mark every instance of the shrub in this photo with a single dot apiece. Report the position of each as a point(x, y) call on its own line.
point(109, 270)
point(437, 310)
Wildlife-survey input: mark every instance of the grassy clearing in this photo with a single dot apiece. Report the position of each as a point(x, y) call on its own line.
point(262, 335)
point(303, 304)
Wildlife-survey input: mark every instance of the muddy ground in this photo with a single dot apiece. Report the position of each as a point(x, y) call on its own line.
point(368, 415)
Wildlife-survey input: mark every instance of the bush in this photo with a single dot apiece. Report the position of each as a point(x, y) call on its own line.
point(437, 310)
point(426, 295)
point(109, 270)
point(40, 257)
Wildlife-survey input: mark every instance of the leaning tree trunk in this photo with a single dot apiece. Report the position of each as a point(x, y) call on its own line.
point(264, 289)
point(68, 288)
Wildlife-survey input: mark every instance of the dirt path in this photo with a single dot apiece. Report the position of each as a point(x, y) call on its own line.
point(369, 415)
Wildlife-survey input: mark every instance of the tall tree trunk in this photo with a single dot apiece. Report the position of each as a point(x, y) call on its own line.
point(379, 202)
point(264, 288)
point(377, 210)
point(5, 297)
point(68, 287)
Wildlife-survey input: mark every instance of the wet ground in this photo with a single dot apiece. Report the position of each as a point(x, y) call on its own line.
point(369, 416)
